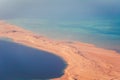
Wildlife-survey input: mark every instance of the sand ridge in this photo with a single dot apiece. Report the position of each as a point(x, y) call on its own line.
point(85, 61)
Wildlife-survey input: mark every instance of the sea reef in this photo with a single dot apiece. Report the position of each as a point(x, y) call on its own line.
point(85, 61)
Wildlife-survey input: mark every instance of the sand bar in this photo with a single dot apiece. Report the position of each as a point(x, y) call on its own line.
point(85, 61)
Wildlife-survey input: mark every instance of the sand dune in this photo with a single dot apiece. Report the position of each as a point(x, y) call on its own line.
point(85, 61)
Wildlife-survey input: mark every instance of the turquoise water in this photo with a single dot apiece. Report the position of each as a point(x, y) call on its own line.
point(18, 62)
point(101, 32)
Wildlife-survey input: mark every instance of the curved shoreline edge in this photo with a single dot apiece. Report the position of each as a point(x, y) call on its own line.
point(85, 61)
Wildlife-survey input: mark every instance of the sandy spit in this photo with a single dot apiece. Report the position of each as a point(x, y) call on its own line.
point(85, 61)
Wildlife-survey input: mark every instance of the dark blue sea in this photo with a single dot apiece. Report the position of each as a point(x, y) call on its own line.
point(18, 62)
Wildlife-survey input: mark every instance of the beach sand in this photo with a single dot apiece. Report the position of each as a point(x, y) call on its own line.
point(85, 61)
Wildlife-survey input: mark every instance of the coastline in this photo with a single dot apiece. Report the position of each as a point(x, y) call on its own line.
point(85, 61)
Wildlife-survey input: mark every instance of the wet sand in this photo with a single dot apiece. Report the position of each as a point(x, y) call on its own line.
point(85, 61)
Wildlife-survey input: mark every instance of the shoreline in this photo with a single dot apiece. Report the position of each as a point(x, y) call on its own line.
point(99, 44)
point(85, 61)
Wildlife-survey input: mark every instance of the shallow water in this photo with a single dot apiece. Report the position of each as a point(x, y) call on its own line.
point(18, 62)
point(103, 33)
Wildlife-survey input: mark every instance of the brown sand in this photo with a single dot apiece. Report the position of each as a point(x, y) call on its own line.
point(85, 61)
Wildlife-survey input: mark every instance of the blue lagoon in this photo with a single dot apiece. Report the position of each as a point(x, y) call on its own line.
point(18, 62)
